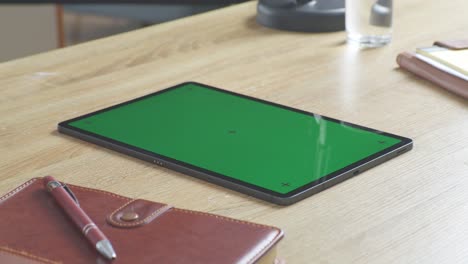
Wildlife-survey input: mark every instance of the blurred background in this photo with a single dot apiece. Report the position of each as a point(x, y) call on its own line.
point(28, 29)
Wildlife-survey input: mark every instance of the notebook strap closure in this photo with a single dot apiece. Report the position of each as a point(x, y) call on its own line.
point(136, 213)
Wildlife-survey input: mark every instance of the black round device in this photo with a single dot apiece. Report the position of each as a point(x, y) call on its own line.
point(302, 15)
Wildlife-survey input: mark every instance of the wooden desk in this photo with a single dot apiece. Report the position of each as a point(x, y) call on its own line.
point(412, 209)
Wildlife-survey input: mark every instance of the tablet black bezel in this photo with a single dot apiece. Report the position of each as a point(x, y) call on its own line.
point(245, 187)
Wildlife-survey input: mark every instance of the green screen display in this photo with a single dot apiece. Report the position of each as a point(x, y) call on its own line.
point(255, 142)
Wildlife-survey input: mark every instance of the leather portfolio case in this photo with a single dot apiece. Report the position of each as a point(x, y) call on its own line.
point(410, 62)
point(34, 229)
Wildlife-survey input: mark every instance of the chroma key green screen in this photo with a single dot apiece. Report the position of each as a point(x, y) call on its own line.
point(260, 143)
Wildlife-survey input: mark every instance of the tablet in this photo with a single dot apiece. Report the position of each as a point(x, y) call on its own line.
point(263, 149)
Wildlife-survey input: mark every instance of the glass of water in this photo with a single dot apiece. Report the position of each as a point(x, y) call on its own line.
point(369, 22)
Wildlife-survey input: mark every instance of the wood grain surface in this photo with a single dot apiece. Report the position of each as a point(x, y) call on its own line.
point(412, 209)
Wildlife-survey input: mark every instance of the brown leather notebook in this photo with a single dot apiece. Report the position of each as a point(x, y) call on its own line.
point(34, 229)
point(452, 83)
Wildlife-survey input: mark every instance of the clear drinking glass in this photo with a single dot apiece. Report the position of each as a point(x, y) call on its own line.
point(369, 22)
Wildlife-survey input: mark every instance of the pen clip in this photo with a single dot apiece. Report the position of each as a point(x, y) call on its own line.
point(70, 193)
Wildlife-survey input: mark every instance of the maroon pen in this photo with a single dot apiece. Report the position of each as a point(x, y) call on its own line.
point(70, 205)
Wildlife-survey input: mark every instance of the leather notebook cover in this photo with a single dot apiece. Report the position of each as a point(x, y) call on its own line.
point(409, 62)
point(34, 229)
point(456, 44)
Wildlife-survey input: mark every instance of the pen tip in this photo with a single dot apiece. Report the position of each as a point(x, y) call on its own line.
point(105, 248)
